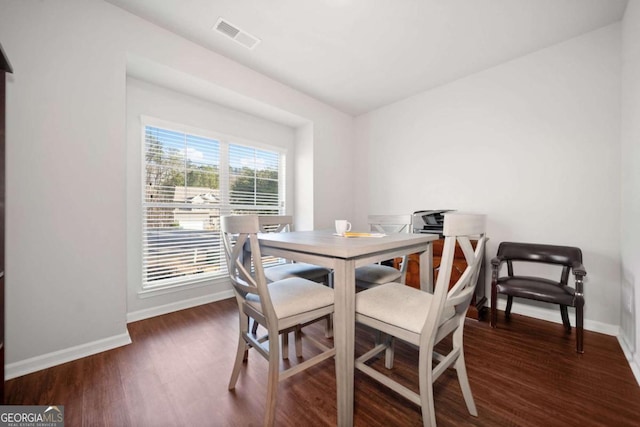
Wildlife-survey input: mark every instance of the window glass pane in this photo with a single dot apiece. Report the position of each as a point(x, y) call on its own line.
point(203, 170)
point(164, 164)
point(253, 177)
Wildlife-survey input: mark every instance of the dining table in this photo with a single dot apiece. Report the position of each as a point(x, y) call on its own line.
point(343, 255)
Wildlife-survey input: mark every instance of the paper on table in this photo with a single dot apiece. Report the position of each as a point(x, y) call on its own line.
point(356, 234)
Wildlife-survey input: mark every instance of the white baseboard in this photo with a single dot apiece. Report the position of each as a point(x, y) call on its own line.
point(635, 367)
point(554, 316)
point(634, 362)
point(177, 306)
point(27, 366)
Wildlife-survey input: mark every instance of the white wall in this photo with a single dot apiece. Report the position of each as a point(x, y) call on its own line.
point(533, 143)
point(146, 99)
point(66, 166)
point(630, 226)
point(65, 180)
point(303, 177)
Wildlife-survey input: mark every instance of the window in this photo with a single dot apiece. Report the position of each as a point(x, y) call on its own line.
point(189, 181)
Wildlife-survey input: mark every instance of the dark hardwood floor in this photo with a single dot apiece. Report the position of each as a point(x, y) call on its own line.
point(524, 373)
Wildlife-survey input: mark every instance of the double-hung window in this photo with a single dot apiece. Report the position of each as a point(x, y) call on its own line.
point(190, 179)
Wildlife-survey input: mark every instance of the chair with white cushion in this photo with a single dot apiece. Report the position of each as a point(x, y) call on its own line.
point(372, 275)
point(424, 319)
point(282, 306)
point(283, 223)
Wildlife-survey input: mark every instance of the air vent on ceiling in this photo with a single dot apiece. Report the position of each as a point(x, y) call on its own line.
point(236, 34)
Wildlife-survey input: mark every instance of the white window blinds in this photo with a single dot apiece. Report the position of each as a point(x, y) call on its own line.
point(189, 182)
point(254, 177)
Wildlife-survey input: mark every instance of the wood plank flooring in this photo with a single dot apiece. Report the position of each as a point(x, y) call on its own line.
point(524, 373)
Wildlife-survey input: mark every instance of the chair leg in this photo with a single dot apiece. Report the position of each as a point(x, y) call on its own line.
point(507, 311)
point(285, 345)
point(389, 352)
point(298, 338)
point(463, 379)
point(272, 382)
point(579, 329)
point(328, 327)
point(494, 306)
point(565, 318)
point(241, 353)
point(378, 339)
point(254, 327)
point(425, 371)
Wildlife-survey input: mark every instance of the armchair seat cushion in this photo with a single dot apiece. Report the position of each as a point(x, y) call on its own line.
point(536, 288)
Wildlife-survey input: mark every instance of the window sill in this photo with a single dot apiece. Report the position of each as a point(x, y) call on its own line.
point(180, 287)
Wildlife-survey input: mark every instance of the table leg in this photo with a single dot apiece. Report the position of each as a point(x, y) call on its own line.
point(344, 337)
point(426, 269)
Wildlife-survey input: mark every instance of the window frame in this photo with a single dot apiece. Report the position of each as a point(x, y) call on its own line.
point(225, 207)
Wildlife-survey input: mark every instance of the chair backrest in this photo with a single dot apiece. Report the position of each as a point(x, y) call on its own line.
point(242, 252)
point(275, 223)
point(565, 256)
point(458, 228)
point(390, 223)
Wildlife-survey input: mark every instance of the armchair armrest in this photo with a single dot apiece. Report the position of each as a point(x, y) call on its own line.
point(495, 269)
point(578, 270)
point(496, 261)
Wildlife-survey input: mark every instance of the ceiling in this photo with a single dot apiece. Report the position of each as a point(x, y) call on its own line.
point(359, 55)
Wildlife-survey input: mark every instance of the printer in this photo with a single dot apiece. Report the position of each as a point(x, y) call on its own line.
point(429, 221)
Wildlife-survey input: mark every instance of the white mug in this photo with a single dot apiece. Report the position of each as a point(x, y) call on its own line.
point(342, 226)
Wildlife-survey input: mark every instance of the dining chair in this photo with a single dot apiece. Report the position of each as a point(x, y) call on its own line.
point(372, 275)
point(284, 223)
point(424, 319)
point(537, 287)
point(288, 269)
point(282, 306)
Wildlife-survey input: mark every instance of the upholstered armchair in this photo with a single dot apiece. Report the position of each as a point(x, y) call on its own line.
point(540, 288)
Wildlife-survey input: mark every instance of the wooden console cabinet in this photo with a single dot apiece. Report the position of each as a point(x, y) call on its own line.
point(477, 307)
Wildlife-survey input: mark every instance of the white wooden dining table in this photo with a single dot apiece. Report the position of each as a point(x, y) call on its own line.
point(343, 255)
